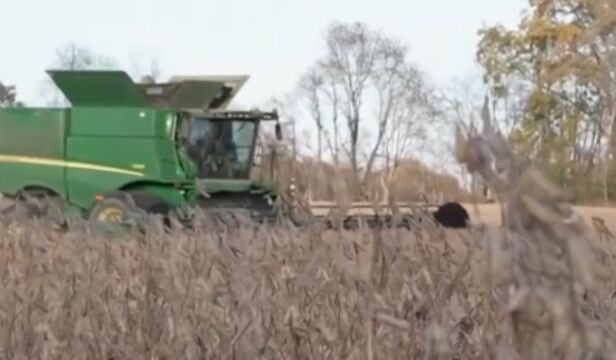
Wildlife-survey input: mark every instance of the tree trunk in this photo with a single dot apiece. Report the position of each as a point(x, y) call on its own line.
point(320, 175)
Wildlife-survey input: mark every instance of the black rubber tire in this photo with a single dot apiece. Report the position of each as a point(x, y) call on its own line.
point(153, 205)
point(452, 215)
point(139, 202)
point(150, 203)
point(124, 208)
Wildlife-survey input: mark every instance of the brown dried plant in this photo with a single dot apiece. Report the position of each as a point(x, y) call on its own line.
point(554, 268)
point(533, 289)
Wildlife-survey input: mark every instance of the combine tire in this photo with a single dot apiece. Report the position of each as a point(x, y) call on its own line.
point(452, 215)
point(131, 208)
point(113, 210)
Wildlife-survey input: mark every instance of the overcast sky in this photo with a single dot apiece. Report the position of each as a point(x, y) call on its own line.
point(273, 41)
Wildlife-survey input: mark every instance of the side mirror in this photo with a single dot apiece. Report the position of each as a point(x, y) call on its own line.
point(278, 132)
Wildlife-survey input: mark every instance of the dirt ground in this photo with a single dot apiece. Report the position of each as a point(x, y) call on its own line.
point(490, 214)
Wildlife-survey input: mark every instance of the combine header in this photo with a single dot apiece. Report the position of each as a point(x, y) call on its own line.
point(450, 215)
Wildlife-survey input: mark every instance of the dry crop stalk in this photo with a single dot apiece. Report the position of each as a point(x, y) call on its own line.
point(551, 255)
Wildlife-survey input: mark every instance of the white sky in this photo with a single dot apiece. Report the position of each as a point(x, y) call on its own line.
point(271, 40)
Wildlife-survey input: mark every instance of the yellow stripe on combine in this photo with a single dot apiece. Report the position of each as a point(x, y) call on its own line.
point(68, 164)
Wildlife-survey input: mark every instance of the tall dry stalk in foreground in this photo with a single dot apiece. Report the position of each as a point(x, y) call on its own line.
point(550, 295)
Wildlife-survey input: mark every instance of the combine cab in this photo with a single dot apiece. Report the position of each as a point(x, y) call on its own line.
point(221, 144)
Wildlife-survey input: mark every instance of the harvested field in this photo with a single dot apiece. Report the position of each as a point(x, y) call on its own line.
point(490, 214)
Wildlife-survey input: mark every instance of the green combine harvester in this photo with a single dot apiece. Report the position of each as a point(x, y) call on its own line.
point(126, 148)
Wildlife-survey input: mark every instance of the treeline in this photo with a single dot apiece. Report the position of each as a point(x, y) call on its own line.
point(553, 82)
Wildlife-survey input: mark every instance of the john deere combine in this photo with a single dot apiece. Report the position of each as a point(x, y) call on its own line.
point(125, 148)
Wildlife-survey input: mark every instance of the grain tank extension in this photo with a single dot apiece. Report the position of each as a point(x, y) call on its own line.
point(109, 154)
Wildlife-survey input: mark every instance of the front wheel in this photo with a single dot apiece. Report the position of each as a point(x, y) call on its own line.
point(132, 209)
point(114, 210)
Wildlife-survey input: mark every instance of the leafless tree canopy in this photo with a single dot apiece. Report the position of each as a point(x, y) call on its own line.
point(367, 100)
point(8, 95)
point(75, 57)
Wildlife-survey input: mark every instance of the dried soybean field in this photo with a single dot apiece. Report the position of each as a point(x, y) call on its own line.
point(252, 292)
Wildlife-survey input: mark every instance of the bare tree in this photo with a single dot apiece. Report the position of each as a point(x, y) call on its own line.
point(406, 106)
point(318, 89)
point(365, 80)
point(8, 95)
point(146, 68)
point(76, 57)
point(320, 94)
point(311, 85)
point(352, 52)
